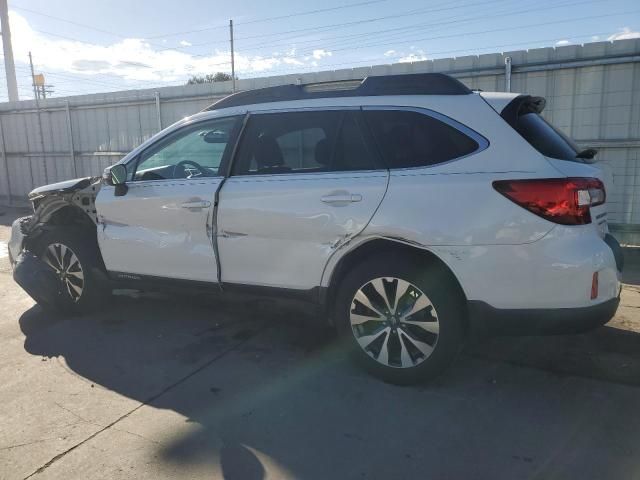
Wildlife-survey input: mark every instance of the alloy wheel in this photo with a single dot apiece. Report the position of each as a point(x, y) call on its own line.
point(65, 263)
point(394, 322)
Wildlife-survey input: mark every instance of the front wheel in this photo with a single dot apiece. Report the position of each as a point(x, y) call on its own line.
point(75, 259)
point(403, 322)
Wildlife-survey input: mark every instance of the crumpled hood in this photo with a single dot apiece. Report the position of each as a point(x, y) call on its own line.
point(61, 187)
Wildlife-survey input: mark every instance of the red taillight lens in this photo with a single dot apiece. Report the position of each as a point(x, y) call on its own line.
point(560, 200)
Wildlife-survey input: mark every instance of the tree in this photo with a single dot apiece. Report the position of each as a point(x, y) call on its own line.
point(218, 77)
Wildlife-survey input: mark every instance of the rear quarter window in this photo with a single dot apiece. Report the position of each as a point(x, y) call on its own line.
point(546, 138)
point(412, 139)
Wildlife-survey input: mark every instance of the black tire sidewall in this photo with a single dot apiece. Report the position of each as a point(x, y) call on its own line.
point(88, 254)
point(441, 291)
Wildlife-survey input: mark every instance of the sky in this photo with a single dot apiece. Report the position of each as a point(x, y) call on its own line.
point(97, 46)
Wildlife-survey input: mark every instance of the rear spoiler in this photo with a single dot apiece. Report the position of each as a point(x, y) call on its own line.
point(520, 105)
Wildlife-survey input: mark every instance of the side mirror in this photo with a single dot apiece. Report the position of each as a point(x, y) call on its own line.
point(117, 176)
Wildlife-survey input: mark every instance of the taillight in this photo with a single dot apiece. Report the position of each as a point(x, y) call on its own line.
point(560, 200)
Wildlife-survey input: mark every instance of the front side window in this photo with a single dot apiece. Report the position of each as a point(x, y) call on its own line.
point(303, 142)
point(192, 152)
point(412, 139)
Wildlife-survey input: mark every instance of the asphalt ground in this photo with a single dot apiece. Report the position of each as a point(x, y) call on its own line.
point(161, 386)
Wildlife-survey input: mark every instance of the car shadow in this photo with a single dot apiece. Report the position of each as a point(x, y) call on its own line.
point(267, 390)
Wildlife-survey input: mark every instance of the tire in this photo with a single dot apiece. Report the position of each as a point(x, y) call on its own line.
point(83, 288)
point(416, 351)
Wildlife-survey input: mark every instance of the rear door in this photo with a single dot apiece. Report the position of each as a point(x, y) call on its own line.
point(302, 184)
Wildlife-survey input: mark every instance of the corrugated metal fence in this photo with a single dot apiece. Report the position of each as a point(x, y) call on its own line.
point(592, 91)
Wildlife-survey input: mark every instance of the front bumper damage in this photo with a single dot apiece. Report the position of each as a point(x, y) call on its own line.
point(16, 241)
point(47, 201)
point(39, 280)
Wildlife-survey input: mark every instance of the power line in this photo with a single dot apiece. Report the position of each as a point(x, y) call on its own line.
point(327, 27)
point(387, 43)
point(71, 22)
point(414, 12)
point(334, 26)
point(268, 19)
point(449, 22)
point(90, 27)
point(402, 30)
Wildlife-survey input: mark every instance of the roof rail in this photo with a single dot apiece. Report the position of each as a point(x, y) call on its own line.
point(406, 84)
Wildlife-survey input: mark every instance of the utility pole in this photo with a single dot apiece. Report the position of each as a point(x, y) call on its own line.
point(9, 65)
point(36, 92)
point(233, 66)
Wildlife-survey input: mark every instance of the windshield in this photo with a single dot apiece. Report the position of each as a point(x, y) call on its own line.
point(546, 138)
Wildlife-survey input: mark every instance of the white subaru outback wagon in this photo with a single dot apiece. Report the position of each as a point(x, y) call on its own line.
point(412, 209)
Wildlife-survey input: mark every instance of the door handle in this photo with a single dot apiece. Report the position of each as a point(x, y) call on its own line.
point(342, 198)
point(196, 204)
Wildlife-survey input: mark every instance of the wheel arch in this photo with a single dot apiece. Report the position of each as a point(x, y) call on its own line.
point(56, 213)
point(365, 250)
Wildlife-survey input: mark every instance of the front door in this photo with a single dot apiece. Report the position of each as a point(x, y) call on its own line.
point(161, 227)
point(302, 184)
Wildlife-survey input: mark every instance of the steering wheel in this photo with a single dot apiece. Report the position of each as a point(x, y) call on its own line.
point(181, 165)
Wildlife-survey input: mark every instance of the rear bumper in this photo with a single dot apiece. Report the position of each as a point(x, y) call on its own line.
point(555, 272)
point(486, 319)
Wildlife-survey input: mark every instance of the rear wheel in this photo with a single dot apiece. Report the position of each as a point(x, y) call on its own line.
point(74, 257)
point(404, 323)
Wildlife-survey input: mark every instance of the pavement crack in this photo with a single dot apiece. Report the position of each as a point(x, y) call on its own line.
point(18, 445)
point(167, 389)
point(139, 436)
point(74, 414)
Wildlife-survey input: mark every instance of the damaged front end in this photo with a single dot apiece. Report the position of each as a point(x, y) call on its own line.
point(70, 203)
point(39, 280)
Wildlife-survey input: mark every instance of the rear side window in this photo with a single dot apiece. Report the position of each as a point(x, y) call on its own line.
point(545, 138)
point(412, 139)
point(303, 142)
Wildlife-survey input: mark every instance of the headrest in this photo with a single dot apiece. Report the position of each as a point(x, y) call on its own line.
point(322, 152)
point(267, 152)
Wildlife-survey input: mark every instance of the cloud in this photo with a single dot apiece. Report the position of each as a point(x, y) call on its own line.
point(291, 61)
point(184, 43)
point(321, 53)
point(416, 56)
point(135, 59)
point(625, 34)
point(562, 43)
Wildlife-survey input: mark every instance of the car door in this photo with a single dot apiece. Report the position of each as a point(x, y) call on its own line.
point(302, 184)
point(161, 226)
